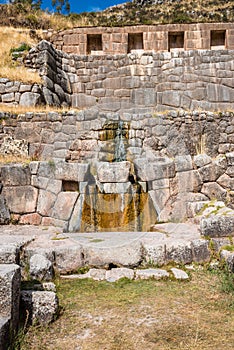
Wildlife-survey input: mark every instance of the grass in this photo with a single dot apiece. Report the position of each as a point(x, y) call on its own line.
point(139, 315)
point(11, 38)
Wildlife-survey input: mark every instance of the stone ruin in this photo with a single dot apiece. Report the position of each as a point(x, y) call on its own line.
point(152, 141)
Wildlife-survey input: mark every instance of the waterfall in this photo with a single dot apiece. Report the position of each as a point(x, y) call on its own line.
point(120, 152)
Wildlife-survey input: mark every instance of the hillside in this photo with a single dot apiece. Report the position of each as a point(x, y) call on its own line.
point(129, 13)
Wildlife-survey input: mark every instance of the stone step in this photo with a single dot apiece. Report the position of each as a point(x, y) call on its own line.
point(11, 247)
point(116, 274)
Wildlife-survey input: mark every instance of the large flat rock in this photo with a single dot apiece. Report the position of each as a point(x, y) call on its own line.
point(170, 242)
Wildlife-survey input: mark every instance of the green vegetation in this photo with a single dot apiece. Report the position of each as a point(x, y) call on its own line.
point(134, 315)
point(28, 14)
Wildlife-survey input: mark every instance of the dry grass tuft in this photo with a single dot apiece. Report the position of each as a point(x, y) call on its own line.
point(11, 38)
point(9, 159)
point(38, 109)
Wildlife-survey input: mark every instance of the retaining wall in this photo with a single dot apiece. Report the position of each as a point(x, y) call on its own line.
point(18, 93)
point(179, 160)
point(137, 81)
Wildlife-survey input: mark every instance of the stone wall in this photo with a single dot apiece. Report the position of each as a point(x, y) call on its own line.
point(18, 93)
point(180, 160)
point(116, 40)
point(137, 82)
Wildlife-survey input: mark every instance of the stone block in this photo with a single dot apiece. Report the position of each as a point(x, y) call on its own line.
point(159, 184)
point(179, 252)
point(40, 268)
point(217, 226)
point(183, 163)
point(154, 254)
point(63, 207)
point(171, 98)
point(226, 182)
point(69, 259)
point(113, 187)
point(75, 220)
point(179, 274)
point(72, 171)
point(25, 88)
point(46, 169)
point(43, 306)
point(229, 259)
point(145, 97)
point(129, 255)
point(113, 172)
point(230, 158)
point(4, 211)
point(10, 278)
point(189, 181)
point(54, 186)
point(49, 221)
point(30, 99)
point(148, 171)
point(40, 182)
point(151, 273)
point(30, 219)
point(160, 198)
point(214, 191)
point(21, 199)
point(10, 97)
point(82, 100)
point(194, 208)
point(33, 166)
point(15, 175)
point(201, 160)
point(97, 274)
point(9, 254)
point(45, 203)
point(5, 326)
point(210, 172)
point(116, 274)
point(201, 251)
point(219, 93)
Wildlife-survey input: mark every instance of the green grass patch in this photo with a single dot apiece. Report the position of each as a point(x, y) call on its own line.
point(138, 315)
